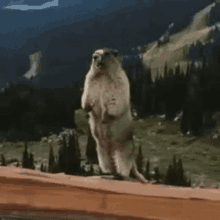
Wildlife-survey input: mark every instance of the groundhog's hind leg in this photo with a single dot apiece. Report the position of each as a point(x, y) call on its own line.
point(125, 163)
point(105, 162)
point(123, 160)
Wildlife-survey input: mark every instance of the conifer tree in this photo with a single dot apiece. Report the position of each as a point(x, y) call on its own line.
point(25, 159)
point(165, 70)
point(147, 171)
point(139, 160)
point(180, 174)
point(174, 169)
point(149, 76)
point(91, 153)
point(45, 168)
point(31, 162)
point(187, 72)
point(74, 155)
point(42, 167)
point(157, 175)
point(3, 160)
point(63, 151)
point(170, 178)
point(177, 70)
point(69, 155)
point(157, 76)
point(51, 156)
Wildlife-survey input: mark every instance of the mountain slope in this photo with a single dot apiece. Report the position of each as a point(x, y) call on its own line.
point(180, 45)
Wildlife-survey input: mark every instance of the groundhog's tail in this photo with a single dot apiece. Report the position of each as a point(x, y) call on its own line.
point(137, 174)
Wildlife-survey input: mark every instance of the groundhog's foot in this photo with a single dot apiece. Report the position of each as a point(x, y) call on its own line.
point(118, 177)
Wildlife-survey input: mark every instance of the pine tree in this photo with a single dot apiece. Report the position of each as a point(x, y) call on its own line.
point(157, 175)
point(25, 159)
point(42, 167)
point(51, 157)
point(180, 174)
point(170, 73)
point(139, 160)
point(31, 162)
point(74, 157)
point(147, 171)
point(149, 76)
point(69, 155)
point(3, 161)
point(165, 70)
point(187, 72)
point(91, 153)
point(157, 76)
point(45, 168)
point(63, 155)
point(174, 170)
point(170, 178)
point(177, 70)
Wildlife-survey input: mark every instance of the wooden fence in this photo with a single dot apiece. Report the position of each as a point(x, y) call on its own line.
point(31, 194)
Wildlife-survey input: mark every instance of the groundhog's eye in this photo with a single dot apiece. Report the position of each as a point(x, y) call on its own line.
point(95, 57)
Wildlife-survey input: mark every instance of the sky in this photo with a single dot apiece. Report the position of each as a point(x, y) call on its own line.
point(20, 5)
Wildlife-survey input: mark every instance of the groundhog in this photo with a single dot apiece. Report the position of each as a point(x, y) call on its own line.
point(106, 96)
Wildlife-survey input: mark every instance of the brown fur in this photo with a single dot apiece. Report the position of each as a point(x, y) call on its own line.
point(106, 97)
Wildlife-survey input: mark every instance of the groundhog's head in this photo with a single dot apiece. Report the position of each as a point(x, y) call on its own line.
point(106, 59)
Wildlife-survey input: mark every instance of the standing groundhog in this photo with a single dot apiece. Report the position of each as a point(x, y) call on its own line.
point(106, 97)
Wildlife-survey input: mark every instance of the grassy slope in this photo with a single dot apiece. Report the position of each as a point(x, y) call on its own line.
point(175, 50)
point(201, 156)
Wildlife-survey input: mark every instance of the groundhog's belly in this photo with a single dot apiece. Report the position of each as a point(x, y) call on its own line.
point(118, 130)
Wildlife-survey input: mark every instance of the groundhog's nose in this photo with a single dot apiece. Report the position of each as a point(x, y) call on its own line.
point(95, 58)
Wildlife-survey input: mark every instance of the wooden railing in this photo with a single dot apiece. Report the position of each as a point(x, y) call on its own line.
point(31, 194)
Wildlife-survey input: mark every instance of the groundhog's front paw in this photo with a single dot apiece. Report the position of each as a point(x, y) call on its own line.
point(88, 108)
point(112, 102)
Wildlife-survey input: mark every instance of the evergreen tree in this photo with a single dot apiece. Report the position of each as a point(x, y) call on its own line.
point(74, 155)
point(42, 167)
point(170, 178)
point(91, 153)
point(31, 162)
point(45, 168)
point(157, 175)
point(165, 70)
point(51, 156)
point(168, 175)
point(63, 151)
point(139, 160)
point(149, 76)
point(174, 162)
point(174, 169)
point(69, 155)
point(157, 76)
point(187, 72)
point(177, 70)
point(170, 95)
point(3, 161)
point(170, 73)
point(25, 159)
point(180, 174)
point(147, 171)
point(54, 168)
